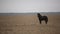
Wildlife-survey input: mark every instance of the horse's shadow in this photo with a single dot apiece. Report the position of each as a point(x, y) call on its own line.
point(42, 18)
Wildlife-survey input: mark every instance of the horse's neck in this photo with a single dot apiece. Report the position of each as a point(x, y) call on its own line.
point(40, 15)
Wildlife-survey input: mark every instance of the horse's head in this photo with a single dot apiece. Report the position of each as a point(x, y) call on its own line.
point(38, 14)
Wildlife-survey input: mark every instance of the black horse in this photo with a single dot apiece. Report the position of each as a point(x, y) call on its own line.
point(41, 18)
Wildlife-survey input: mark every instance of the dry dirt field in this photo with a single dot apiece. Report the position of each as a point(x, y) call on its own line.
point(29, 24)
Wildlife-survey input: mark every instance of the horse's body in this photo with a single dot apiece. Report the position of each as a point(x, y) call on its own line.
point(41, 18)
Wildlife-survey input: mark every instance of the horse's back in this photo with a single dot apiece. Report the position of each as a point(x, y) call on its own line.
point(45, 17)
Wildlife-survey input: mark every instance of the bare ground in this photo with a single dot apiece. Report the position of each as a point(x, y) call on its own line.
point(29, 24)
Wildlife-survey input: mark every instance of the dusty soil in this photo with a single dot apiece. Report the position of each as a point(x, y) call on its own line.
point(29, 24)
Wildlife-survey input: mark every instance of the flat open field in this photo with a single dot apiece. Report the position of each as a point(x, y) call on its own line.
point(29, 24)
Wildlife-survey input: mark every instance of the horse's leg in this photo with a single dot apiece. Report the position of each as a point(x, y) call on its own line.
point(40, 21)
point(46, 21)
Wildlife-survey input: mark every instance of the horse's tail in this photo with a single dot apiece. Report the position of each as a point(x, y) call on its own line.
point(47, 19)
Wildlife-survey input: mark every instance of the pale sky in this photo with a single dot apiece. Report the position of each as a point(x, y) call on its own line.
point(26, 6)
